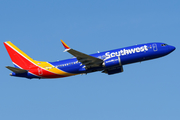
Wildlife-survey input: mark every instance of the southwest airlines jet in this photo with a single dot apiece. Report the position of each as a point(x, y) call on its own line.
point(109, 62)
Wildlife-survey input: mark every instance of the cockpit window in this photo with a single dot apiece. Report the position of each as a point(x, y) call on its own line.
point(163, 44)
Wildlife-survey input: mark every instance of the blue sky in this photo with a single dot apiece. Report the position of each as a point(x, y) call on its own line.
point(147, 90)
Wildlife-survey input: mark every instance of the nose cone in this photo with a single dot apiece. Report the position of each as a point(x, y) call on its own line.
point(171, 48)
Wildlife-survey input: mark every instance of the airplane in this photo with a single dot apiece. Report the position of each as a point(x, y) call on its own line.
point(109, 62)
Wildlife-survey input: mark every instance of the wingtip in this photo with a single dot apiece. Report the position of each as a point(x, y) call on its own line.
point(65, 45)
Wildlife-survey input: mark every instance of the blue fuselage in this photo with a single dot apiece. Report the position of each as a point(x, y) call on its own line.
point(127, 55)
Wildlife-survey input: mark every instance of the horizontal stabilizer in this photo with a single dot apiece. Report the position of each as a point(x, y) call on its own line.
point(16, 70)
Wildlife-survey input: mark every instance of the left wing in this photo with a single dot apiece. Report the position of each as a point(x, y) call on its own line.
point(87, 60)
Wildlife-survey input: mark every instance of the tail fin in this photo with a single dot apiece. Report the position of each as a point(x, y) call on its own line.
point(18, 57)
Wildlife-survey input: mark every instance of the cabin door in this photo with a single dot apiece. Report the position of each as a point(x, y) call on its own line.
point(155, 47)
point(40, 71)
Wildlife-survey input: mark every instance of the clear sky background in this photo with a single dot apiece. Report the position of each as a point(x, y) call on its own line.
point(144, 91)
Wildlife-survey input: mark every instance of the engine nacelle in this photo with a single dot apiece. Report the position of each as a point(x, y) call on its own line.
point(113, 70)
point(113, 65)
point(112, 62)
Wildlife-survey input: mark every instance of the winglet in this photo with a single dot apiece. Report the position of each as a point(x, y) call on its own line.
point(65, 45)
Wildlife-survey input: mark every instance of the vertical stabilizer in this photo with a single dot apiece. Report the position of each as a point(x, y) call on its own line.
point(18, 57)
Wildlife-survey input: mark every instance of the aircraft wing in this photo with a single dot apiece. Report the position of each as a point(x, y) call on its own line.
point(87, 60)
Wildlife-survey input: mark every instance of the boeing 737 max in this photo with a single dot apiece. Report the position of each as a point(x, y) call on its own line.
point(109, 62)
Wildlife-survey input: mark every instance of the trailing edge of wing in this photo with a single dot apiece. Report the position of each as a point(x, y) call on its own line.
point(87, 60)
point(16, 70)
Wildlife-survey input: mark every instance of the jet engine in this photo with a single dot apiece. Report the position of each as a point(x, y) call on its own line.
point(113, 65)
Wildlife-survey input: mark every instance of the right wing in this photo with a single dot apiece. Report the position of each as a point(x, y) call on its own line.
point(87, 60)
